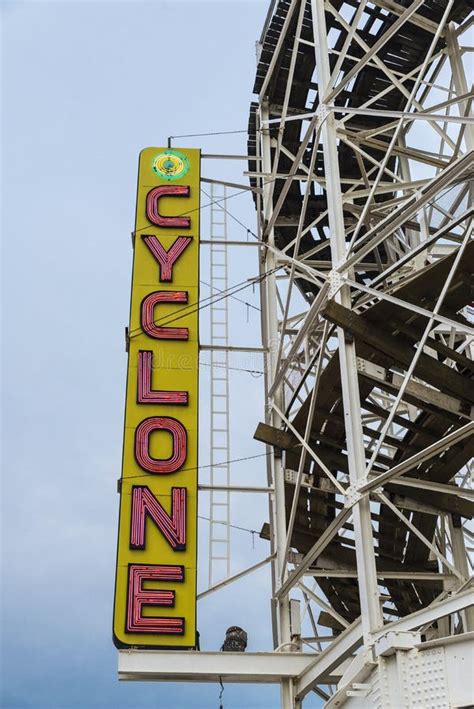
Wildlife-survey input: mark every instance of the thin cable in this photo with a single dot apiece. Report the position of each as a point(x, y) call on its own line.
point(204, 206)
point(249, 231)
point(201, 304)
point(202, 467)
point(202, 135)
point(234, 526)
point(212, 297)
point(256, 372)
point(221, 705)
point(244, 302)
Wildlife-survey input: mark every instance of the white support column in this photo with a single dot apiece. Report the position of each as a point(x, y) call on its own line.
point(270, 339)
point(459, 79)
point(368, 589)
point(461, 86)
point(459, 552)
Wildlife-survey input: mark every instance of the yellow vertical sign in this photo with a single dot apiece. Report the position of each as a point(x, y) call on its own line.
point(155, 587)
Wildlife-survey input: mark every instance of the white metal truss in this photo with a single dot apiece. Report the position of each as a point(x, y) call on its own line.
point(401, 210)
point(219, 500)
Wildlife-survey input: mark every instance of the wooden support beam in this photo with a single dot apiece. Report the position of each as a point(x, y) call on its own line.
point(400, 350)
point(415, 393)
point(327, 621)
point(398, 325)
point(452, 504)
point(412, 426)
point(275, 436)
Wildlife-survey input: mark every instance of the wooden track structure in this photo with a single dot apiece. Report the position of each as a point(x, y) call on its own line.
point(361, 157)
point(385, 336)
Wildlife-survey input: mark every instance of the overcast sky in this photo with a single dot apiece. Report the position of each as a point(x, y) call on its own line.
point(86, 85)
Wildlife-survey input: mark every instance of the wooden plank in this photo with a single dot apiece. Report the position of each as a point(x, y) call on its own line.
point(415, 393)
point(452, 504)
point(400, 350)
point(328, 621)
point(275, 436)
point(415, 334)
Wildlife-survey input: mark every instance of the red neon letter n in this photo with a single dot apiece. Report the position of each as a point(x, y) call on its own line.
point(173, 527)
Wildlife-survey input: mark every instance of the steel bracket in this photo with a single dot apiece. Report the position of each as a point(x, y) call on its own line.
point(359, 689)
point(394, 641)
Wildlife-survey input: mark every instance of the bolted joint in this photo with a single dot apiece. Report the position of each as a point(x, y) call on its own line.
point(359, 689)
point(394, 641)
point(322, 112)
point(335, 282)
point(352, 496)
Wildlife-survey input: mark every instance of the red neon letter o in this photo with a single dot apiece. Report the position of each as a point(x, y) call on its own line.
point(142, 445)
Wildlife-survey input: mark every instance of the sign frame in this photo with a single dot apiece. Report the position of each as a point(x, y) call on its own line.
point(156, 566)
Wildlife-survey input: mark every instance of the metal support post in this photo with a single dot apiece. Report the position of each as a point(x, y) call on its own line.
point(458, 548)
point(270, 340)
point(460, 80)
point(364, 543)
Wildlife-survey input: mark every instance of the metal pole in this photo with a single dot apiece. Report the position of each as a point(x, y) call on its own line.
point(460, 562)
point(459, 79)
point(270, 327)
point(364, 543)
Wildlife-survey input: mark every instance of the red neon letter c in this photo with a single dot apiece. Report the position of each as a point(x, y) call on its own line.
point(148, 318)
point(153, 213)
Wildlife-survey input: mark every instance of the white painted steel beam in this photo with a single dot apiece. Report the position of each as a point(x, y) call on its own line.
point(399, 234)
point(344, 645)
point(231, 348)
point(364, 543)
point(230, 242)
point(415, 19)
point(225, 183)
point(439, 609)
point(234, 488)
point(192, 666)
point(406, 115)
point(269, 299)
point(235, 577)
point(317, 548)
point(401, 575)
point(386, 36)
point(450, 440)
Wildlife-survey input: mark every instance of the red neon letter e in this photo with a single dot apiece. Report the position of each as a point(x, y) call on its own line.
point(138, 597)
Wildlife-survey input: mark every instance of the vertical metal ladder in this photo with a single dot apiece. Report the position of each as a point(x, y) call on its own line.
point(219, 502)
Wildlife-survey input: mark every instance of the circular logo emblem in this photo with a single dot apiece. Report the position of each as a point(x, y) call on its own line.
point(171, 165)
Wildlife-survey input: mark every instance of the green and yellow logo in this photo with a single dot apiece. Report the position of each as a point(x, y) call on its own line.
point(171, 165)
